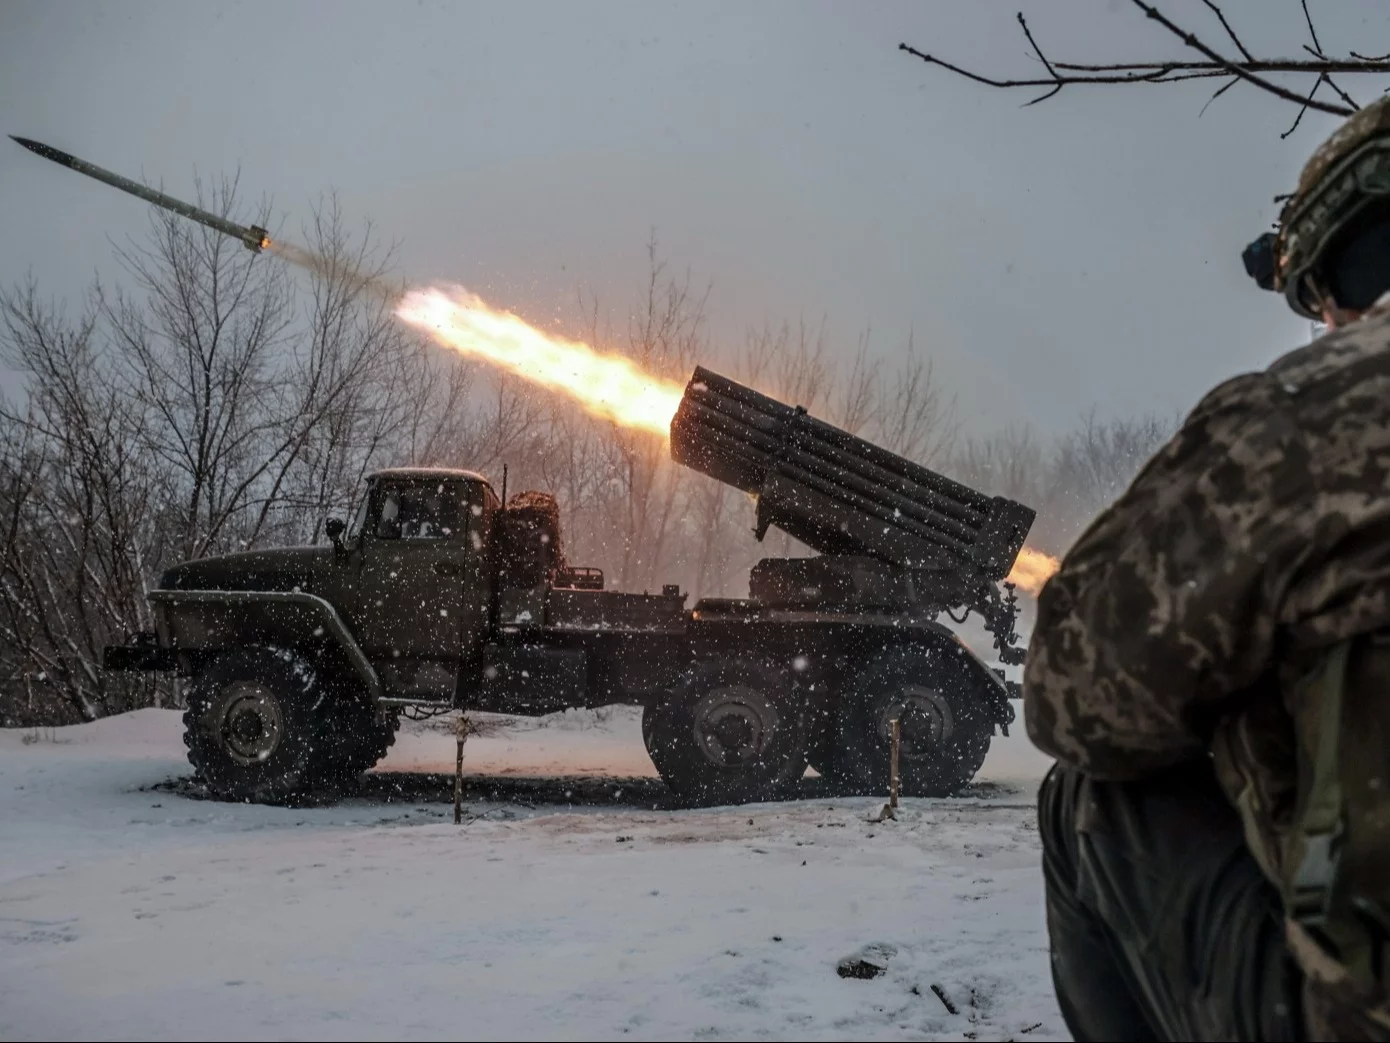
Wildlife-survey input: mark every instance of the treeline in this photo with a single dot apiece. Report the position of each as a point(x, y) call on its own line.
point(217, 401)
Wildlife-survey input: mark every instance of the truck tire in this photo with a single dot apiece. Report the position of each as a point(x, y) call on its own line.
point(256, 726)
point(944, 726)
point(729, 733)
point(360, 741)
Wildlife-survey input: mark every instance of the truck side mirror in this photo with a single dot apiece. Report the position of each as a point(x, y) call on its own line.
point(334, 527)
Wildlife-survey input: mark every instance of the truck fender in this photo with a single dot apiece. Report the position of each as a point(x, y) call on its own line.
point(994, 690)
point(196, 620)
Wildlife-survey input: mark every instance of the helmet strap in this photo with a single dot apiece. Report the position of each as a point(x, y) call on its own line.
point(1316, 292)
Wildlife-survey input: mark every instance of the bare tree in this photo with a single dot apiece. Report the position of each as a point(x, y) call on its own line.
point(855, 403)
point(1208, 62)
point(665, 336)
point(343, 401)
point(198, 339)
point(80, 508)
point(1067, 481)
point(198, 411)
point(1008, 463)
point(915, 419)
point(1095, 463)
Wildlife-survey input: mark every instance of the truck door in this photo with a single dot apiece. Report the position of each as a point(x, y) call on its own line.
point(418, 573)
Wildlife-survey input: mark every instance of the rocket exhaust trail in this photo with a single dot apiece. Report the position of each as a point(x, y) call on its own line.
point(380, 288)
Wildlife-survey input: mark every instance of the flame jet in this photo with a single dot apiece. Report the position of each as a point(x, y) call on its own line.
point(253, 237)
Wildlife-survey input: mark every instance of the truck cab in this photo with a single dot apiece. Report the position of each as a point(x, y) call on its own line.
point(416, 574)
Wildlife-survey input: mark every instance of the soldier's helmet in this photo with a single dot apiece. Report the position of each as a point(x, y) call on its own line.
point(1344, 187)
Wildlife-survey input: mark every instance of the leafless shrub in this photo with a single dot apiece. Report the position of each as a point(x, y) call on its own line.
point(1067, 481)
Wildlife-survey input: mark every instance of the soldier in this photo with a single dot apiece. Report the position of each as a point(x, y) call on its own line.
point(1211, 669)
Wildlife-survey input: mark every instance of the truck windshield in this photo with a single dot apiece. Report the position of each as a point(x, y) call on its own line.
point(419, 512)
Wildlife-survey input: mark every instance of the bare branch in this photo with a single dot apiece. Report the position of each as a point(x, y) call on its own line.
point(1340, 93)
point(1232, 33)
point(1149, 73)
point(1041, 57)
point(1317, 46)
point(1247, 68)
point(1219, 91)
point(1148, 70)
point(1299, 118)
point(1191, 40)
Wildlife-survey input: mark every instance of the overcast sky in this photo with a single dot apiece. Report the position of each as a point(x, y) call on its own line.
point(1081, 253)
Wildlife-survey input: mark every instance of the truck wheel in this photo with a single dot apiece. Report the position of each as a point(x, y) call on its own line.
point(255, 727)
point(372, 742)
point(728, 734)
point(360, 741)
point(945, 730)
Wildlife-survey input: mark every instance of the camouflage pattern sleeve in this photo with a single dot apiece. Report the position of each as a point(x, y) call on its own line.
point(1167, 605)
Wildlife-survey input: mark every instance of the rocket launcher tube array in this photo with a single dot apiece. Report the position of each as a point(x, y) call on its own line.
point(837, 493)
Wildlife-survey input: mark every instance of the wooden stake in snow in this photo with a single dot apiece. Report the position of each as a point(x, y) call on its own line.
point(463, 728)
point(890, 810)
point(893, 780)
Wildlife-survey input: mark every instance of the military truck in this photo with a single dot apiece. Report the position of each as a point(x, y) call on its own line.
point(298, 662)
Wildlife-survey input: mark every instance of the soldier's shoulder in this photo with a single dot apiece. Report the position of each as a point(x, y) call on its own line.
point(1353, 358)
point(1240, 409)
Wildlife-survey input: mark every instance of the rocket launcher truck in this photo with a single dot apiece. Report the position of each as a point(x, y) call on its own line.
point(298, 662)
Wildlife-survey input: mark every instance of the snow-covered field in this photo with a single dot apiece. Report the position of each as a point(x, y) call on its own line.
point(135, 913)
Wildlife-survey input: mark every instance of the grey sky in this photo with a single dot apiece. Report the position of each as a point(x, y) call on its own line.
point(1081, 253)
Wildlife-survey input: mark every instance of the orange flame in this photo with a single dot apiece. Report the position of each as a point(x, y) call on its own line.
point(608, 386)
point(1032, 569)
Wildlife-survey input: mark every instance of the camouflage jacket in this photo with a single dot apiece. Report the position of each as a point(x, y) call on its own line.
point(1256, 538)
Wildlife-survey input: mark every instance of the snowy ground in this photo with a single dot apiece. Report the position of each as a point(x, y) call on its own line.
point(134, 913)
